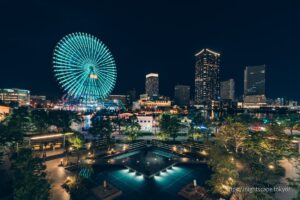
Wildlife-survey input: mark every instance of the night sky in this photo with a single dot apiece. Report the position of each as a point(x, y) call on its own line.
point(154, 37)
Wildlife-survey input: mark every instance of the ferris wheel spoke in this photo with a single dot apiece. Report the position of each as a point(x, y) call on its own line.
point(106, 63)
point(94, 45)
point(66, 75)
point(76, 50)
point(69, 52)
point(83, 47)
point(66, 49)
point(76, 89)
point(79, 39)
point(103, 57)
point(100, 49)
point(105, 74)
point(69, 81)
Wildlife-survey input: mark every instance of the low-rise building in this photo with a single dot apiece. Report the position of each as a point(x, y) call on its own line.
point(18, 96)
point(4, 111)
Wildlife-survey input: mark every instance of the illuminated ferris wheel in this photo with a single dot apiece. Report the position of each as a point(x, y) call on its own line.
point(84, 67)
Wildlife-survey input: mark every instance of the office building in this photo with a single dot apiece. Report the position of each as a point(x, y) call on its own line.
point(182, 95)
point(132, 96)
point(15, 96)
point(207, 76)
point(37, 101)
point(254, 86)
point(254, 80)
point(228, 89)
point(152, 84)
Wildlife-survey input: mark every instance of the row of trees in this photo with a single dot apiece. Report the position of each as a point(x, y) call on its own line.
point(27, 171)
point(29, 177)
point(102, 127)
point(38, 121)
point(243, 159)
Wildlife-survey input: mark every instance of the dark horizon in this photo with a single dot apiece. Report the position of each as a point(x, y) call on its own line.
point(149, 37)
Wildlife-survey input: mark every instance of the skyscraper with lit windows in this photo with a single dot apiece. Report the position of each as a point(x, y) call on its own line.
point(152, 84)
point(254, 80)
point(254, 85)
point(207, 76)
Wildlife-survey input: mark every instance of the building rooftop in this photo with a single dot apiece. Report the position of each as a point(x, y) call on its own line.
point(152, 75)
point(207, 50)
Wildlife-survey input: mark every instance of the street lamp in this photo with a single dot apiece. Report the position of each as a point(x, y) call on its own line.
point(271, 166)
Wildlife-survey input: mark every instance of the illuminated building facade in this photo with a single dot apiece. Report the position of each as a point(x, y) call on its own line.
point(4, 111)
point(254, 80)
point(152, 84)
point(227, 89)
point(121, 98)
point(154, 102)
point(207, 76)
point(254, 86)
point(182, 95)
point(38, 101)
point(19, 96)
point(147, 123)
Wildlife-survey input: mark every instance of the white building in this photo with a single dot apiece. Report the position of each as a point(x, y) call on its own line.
point(147, 123)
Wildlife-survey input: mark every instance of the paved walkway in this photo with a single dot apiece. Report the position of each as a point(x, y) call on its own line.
point(290, 172)
point(57, 176)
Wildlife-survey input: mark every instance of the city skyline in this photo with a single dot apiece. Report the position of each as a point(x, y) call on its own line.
point(154, 42)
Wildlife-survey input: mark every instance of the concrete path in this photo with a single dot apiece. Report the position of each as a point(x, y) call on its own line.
point(57, 176)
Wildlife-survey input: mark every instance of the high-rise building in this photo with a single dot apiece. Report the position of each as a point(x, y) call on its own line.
point(132, 96)
point(254, 80)
point(152, 84)
point(182, 95)
point(21, 97)
point(227, 89)
point(207, 76)
point(254, 86)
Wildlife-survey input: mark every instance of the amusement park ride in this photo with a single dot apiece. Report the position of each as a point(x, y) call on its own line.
point(85, 69)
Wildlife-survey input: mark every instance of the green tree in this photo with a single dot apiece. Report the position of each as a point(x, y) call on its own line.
point(76, 142)
point(253, 158)
point(101, 128)
point(195, 133)
point(40, 119)
point(19, 120)
point(289, 121)
point(118, 121)
point(63, 119)
point(29, 177)
point(225, 172)
point(132, 128)
point(244, 118)
point(170, 125)
point(233, 136)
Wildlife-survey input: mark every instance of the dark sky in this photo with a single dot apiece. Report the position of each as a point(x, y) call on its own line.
point(162, 37)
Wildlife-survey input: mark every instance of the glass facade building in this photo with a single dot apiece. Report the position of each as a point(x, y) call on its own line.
point(207, 76)
point(228, 89)
point(152, 84)
point(182, 95)
point(254, 80)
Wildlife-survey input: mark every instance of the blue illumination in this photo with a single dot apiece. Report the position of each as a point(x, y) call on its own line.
point(266, 121)
point(84, 67)
point(165, 186)
point(203, 127)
